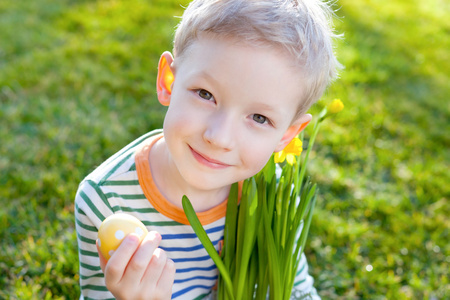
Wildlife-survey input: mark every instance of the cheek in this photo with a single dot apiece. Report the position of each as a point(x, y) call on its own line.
point(257, 157)
point(172, 119)
point(179, 117)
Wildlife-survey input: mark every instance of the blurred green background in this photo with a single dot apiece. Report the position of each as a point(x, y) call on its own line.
point(77, 84)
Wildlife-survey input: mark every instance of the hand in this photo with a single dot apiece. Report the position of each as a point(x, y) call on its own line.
point(139, 271)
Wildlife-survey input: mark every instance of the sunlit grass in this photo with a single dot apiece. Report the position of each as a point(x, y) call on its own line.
point(77, 84)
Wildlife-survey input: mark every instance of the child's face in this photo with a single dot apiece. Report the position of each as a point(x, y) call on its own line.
point(230, 107)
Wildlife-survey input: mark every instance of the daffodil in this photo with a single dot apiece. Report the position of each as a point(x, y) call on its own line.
point(335, 106)
point(293, 149)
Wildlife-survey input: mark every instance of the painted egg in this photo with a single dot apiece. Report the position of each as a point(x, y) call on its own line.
point(115, 228)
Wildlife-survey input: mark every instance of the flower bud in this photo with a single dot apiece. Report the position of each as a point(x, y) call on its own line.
point(335, 106)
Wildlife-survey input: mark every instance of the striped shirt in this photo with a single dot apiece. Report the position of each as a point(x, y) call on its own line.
point(124, 183)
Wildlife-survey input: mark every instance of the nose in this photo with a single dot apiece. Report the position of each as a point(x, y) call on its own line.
point(220, 131)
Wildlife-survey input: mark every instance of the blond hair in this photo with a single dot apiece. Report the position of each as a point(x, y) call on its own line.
point(303, 28)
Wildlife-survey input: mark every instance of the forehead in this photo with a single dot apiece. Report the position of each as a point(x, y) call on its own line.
point(266, 72)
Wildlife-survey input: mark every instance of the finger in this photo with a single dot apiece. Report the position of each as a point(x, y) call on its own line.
point(101, 257)
point(166, 280)
point(155, 268)
point(141, 259)
point(160, 275)
point(115, 268)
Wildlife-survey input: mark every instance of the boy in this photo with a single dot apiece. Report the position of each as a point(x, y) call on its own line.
point(242, 76)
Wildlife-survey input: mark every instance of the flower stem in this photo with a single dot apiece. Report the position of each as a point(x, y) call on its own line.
point(310, 145)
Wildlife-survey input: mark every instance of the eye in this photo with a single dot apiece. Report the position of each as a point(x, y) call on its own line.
point(205, 94)
point(259, 119)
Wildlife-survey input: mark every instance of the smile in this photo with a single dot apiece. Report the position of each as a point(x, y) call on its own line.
point(209, 162)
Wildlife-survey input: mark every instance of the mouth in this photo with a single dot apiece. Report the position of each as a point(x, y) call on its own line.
point(207, 161)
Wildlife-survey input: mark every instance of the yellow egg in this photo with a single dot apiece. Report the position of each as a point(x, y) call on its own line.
point(115, 228)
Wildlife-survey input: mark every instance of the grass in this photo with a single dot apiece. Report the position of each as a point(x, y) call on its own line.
point(77, 84)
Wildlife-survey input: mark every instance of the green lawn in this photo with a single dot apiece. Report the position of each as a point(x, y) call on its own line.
point(77, 84)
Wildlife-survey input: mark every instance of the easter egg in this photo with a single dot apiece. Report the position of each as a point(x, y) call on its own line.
point(114, 229)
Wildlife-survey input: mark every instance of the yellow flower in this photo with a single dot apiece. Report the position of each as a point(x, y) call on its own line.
point(335, 106)
point(293, 149)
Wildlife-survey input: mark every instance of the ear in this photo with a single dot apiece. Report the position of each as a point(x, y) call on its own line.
point(165, 78)
point(296, 127)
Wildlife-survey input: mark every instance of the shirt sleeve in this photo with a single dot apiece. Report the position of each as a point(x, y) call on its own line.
point(90, 210)
point(304, 283)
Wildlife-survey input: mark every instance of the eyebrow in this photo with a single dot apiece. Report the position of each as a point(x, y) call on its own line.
point(207, 76)
point(264, 106)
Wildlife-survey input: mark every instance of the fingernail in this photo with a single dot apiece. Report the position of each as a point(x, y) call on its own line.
point(154, 235)
point(132, 238)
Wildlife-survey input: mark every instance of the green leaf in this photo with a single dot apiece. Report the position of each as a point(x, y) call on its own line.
point(274, 271)
point(250, 203)
point(229, 249)
point(305, 230)
point(206, 242)
point(269, 169)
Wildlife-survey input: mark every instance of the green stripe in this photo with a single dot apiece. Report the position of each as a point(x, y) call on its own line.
point(132, 168)
point(120, 182)
point(117, 166)
point(301, 270)
point(88, 253)
point(99, 288)
point(126, 197)
point(202, 296)
point(162, 223)
point(84, 226)
point(90, 267)
point(96, 275)
point(85, 239)
point(139, 210)
point(100, 194)
point(299, 282)
point(92, 206)
point(81, 212)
